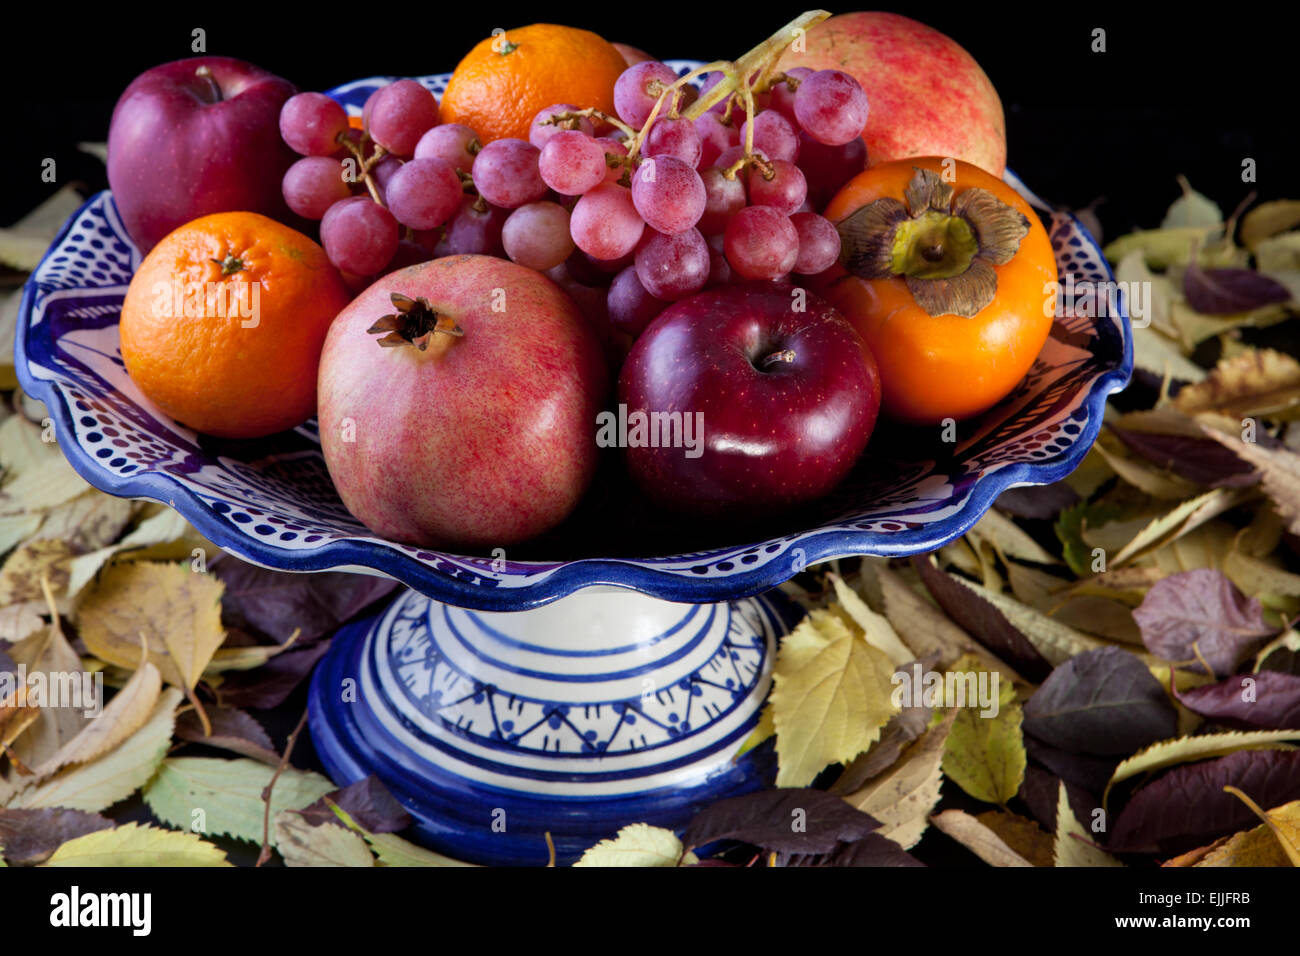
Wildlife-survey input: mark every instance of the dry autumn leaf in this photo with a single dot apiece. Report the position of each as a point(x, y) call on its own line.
point(175, 611)
point(831, 696)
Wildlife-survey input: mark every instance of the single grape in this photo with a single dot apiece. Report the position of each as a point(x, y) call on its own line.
point(383, 172)
point(572, 162)
point(359, 235)
point(786, 190)
point(723, 198)
point(474, 230)
point(673, 267)
point(819, 243)
point(313, 184)
point(605, 223)
point(505, 173)
point(761, 243)
point(637, 89)
point(580, 268)
point(710, 80)
point(310, 124)
point(715, 137)
point(782, 93)
point(828, 168)
point(402, 112)
point(631, 307)
point(424, 193)
point(774, 136)
point(613, 148)
point(675, 137)
point(610, 267)
point(452, 143)
point(669, 194)
point(537, 235)
point(540, 132)
point(831, 107)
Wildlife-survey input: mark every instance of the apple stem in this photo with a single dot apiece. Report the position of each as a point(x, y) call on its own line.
point(214, 88)
point(785, 355)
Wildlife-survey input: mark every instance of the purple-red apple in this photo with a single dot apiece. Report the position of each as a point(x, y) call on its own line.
point(928, 96)
point(467, 420)
point(195, 137)
point(749, 398)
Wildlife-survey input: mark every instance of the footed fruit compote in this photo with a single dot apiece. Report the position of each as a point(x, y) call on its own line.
point(605, 671)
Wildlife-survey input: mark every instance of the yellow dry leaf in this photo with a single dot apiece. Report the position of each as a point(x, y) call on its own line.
point(875, 627)
point(1074, 845)
point(985, 753)
point(637, 844)
point(831, 696)
point(124, 715)
point(48, 652)
point(1179, 521)
point(1009, 540)
point(177, 612)
point(135, 845)
point(115, 775)
point(20, 577)
point(42, 487)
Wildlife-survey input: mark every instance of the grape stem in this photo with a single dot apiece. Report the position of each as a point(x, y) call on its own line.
point(366, 166)
point(556, 119)
point(752, 73)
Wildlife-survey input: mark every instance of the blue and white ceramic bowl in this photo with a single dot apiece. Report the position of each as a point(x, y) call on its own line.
point(271, 502)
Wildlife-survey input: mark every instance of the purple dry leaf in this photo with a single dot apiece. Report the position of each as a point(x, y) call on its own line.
point(232, 730)
point(872, 850)
point(367, 802)
point(982, 621)
point(1267, 700)
point(1104, 702)
point(268, 686)
point(30, 836)
point(1224, 291)
point(1201, 460)
point(1085, 771)
point(1037, 501)
point(788, 821)
point(1201, 610)
point(1187, 807)
point(278, 603)
point(1041, 790)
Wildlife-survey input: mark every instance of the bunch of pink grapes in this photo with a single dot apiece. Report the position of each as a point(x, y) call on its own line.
point(690, 210)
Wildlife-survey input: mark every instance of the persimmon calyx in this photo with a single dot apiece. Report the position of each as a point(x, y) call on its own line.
point(943, 247)
point(415, 323)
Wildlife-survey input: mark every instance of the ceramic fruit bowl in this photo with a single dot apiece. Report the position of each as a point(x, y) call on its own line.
point(271, 502)
point(604, 706)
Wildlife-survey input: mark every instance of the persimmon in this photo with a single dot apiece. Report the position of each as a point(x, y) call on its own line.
point(949, 277)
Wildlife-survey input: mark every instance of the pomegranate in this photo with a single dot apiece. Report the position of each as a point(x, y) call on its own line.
point(458, 402)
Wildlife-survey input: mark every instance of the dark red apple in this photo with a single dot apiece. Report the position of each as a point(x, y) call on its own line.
point(195, 137)
point(765, 397)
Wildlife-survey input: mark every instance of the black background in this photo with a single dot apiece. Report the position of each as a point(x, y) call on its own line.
point(1175, 91)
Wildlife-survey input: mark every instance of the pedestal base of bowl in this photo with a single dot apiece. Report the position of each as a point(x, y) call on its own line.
point(598, 710)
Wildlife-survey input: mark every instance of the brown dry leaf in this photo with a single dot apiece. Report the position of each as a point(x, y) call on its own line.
point(1259, 382)
point(1280, 474)
point(48, 652)
point(1283, 823)
point(20, 621)
point(978, 838)
point(1255, 847)
point(85, 523)
point(1155, 481)
point(1172, 525)
point(16, 712)
point(1021, 834)
point(1009, 540)
point(20, 577)
point(903, 797)
point(175, 610)
point(123, 716)
point(927, 630)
